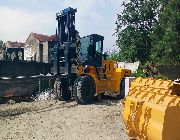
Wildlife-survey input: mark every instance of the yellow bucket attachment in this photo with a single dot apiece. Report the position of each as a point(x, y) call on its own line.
point(152, 110)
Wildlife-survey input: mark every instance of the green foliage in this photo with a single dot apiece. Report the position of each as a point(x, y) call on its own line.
point(149, 30)
point(114, 55)
point(127, 45)
point(166, 34)
point(134, 26)
point(139, 73)
point(160, 77)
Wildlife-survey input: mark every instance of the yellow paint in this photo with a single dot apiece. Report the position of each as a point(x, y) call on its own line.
point(109, 77)
point(152, 110)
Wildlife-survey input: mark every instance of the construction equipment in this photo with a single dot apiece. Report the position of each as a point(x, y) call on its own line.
point(79, 65)
point(152, 109)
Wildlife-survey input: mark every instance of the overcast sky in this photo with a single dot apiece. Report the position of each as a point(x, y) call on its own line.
point(20, 17)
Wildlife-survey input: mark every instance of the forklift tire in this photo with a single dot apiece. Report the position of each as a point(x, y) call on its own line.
point(65, 94)
point(84, 90)
point(122, 89)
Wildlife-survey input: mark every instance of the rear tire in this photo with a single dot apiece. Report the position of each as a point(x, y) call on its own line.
point(84, 90)
point(62, 92)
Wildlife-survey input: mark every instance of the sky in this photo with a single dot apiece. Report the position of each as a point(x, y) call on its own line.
point(18, 18)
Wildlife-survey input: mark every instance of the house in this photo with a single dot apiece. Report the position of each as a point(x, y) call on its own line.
point(1, 50)
point(37, 47)
point(1, 53)
point(10, 44)
point(13, 50)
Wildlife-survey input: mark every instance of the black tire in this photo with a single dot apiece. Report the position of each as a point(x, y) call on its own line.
point(84, 90)
point(122, 89)
point(63, 92)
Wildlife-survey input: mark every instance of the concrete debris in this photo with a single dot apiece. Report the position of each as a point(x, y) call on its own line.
point(45, 95)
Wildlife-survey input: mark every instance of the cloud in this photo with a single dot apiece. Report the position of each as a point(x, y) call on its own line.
point(19, 18)
point(97, 16)
point(17, 24)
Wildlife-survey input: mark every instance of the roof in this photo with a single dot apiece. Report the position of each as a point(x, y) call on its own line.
point(53, 37)
point(10, 44)
point(44, 38)
point(1, 50)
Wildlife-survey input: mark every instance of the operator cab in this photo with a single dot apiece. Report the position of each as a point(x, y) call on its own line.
point(91, 50)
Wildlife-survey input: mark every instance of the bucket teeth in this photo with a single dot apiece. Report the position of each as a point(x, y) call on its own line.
point(152, 109)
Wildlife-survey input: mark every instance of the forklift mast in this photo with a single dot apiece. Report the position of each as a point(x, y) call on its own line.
point(65, 48)
point(66, 25)
point(69, 51)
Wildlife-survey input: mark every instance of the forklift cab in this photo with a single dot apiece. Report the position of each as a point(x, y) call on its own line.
point(91, 50)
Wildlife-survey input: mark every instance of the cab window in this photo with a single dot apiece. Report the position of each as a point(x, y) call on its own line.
point(99, 47)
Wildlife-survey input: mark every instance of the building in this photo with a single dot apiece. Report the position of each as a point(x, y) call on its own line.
point(10, 44)
point(1, 53)
point(13, 50)
point(37, 47)
point(1, 50)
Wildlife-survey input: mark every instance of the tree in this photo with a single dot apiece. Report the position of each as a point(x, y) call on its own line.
point(134, 26)
point(113, 55)
point(166, 34)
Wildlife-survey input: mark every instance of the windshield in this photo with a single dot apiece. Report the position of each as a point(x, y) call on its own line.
point(84, 47)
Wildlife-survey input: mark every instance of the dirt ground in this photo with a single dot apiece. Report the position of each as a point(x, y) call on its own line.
point(58, 120)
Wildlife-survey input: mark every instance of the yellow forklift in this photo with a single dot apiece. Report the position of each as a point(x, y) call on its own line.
point(81, 69)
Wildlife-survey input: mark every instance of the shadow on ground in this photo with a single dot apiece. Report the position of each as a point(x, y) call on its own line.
point(49, 106)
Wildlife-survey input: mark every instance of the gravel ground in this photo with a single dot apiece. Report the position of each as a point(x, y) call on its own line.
point(58, 120)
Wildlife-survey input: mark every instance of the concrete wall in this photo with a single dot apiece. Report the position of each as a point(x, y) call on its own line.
point(170, 71)
point(128, 81)
point(22, 68)
point(31, 49)
point(18, 88)
point(45, 52)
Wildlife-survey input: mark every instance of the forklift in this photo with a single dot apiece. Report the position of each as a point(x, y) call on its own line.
point(81, 69)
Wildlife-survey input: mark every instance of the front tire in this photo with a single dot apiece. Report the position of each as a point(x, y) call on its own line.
point(84, 90)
